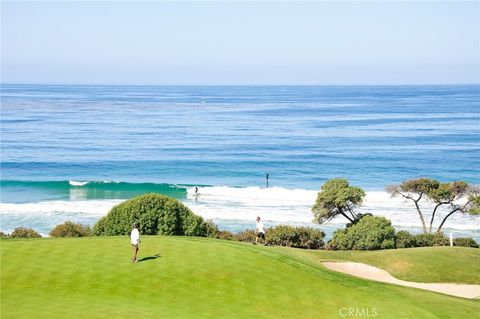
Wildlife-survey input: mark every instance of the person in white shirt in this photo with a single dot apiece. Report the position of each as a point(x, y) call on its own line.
point(135, 240)
point(259, 231)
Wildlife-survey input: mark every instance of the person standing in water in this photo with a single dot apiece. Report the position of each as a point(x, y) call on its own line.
point(135, 240)
point(259, 232)
point(266, 179)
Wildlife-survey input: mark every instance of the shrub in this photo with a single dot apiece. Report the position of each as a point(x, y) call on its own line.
point(225, 234)
point(429, 240)
point(71, 229)
point(156, 215)
point(100, 226)
point(298, 237)
point(465, 242)
point(211, 229)
point(23, 232)
point(4, 235)
point(368, 234)
point(403, 239)
point(246, 235)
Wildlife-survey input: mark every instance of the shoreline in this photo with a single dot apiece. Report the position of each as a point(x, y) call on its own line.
point(232, 208)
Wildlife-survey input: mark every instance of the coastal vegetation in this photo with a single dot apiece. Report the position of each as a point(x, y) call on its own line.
point(71, 229)
point(337, 198)
point(283, 235)
point(369, 233)
point(365, 232)
point(403, 239)
point(156, 214)
point(297, 237)
point(442, 195)
point(24, 232)
point(191, 277)
point(465, 242)
point(429, 240)
point(162, 215)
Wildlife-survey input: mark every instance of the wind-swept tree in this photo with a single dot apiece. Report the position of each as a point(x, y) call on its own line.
point(452, 197)
point(337, 197)
point(414, 190)
point(455, 196)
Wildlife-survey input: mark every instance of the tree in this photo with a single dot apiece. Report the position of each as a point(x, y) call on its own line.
point(414, 190)
point(337, 197)
point(471, 206)
point(441, 194)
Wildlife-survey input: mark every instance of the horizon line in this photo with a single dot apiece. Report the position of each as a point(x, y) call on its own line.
point(243, 84)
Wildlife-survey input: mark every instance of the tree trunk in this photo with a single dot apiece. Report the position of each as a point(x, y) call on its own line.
point(433, 216)
point(445, 219)
point(421, 216)
point(346, 216)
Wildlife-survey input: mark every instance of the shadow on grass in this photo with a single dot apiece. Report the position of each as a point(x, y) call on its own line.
point(149, 258)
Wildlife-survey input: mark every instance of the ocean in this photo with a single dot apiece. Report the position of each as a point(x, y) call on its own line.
point(72, 152)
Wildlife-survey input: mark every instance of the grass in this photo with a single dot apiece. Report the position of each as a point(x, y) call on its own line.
point(428, 264)
point(194, 278)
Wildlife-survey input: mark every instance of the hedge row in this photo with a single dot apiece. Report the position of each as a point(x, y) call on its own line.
point(298, 237)
point(406, 240)
point(282, 235)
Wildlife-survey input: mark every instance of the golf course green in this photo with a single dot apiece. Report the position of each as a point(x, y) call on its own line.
point(187, 277)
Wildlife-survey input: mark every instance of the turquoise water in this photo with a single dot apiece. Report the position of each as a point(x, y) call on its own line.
point(127, 140)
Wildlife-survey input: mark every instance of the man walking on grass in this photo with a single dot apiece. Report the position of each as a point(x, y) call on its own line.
point(260, 231)
point(135, 240)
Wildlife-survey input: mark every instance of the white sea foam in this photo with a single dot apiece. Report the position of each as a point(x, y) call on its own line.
point(294, 205)
point(88, 207)
point(274, 205)
point(76, 183)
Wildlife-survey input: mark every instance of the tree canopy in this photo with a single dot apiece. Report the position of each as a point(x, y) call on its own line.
point(456, 196)
point(337, 197)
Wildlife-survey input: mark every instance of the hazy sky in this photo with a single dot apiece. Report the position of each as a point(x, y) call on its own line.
point(240, 42)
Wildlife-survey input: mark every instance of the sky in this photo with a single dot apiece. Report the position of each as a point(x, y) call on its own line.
point(240, 43)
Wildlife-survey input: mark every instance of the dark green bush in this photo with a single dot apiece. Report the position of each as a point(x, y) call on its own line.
point(465, 242)
point(71, 229)
point(156, 215)
point(403, 239)
point(211, 229)
point(429, 240)
point(23, 232)
point(298, 237)
point(369, 233)
point(99, 227)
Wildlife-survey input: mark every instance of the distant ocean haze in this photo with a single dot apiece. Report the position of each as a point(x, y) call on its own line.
point(129, 140)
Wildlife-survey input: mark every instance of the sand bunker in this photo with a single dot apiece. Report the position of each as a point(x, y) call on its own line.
point(377, 274)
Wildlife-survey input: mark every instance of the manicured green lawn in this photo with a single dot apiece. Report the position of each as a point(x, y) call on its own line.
point(194, 278)
point(428, 264)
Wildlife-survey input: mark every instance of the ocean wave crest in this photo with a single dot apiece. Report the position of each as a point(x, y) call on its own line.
point(75, 183)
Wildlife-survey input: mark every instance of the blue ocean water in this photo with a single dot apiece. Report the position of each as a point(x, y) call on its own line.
point(126, 140)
